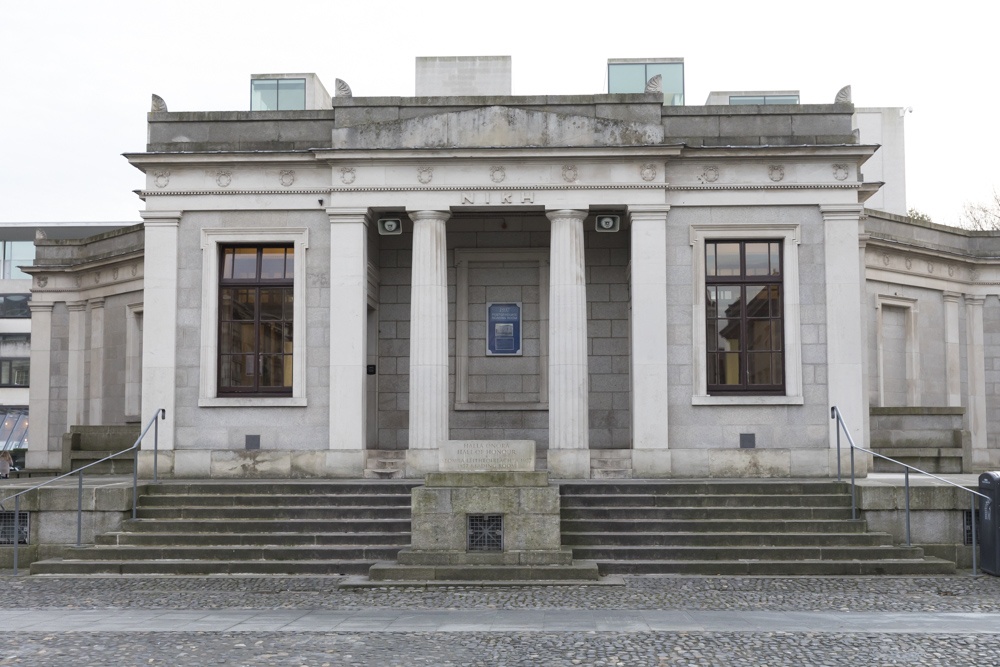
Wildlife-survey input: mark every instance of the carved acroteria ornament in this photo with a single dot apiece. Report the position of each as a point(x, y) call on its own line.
point(569, 173)
point(42, 281)
point(776, 172)
point(347, 175)
point(286, 177)
point(224, 178)
point(161, 178)
point(648, 171)
point(497, 174)
point(840, 172)
point(710, 174)
point(425, 174)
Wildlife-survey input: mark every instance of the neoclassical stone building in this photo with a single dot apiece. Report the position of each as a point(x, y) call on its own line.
point(640, 289)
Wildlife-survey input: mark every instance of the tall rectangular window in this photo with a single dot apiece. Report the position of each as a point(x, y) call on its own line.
point(256, 320)
point(277, 94)
point(743, 317)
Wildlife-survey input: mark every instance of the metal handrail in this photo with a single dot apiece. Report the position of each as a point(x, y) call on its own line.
point(154, 423)
point(841, 424)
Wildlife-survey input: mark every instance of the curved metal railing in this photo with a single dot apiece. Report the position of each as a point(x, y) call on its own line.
point(842, 425)
point(154, 423)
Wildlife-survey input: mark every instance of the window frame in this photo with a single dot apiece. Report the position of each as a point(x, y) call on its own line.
point(12, 385)
point(790, 237)
point(212, 240)
point(3, 306)
point(742, 281)
point(257, 284)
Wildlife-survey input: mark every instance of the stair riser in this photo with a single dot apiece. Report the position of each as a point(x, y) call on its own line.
point(696, 513)
point(359, 526)
point(724, 539)
point(751, 553)
point(784, 568)
point(238, 553)
point(283, 488)
point(705, 501)
point(744, 526)
point(260, 539)
point(200, 567)
point(276, 501)
point(706, 488)
point(237, 513)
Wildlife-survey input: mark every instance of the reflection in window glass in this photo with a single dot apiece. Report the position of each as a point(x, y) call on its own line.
point(291, 94)
point(277, 94)
point(627, 78)
point(264, 95)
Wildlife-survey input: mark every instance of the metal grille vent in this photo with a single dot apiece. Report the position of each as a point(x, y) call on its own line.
point(7, 528)
point(485, 532)
point(968, 528)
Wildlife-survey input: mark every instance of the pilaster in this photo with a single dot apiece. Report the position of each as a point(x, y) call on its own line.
point(44, 448)
point(428, 417)
point(569, 453)
point(348, 330)
point(96, 385)
point(844, 348)
point(976, 360)
point(952, 350)
point(649, 339)
point(76, 386)
point(159, 345)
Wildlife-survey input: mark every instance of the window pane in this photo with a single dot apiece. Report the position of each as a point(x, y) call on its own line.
point(289, 263)
point(711, 302)
point(19, 372)
point(287, 345)
point(10, 420)
point(673, 81)
point(238, 304)
point(289, 313)
point(759, 368)
point(776, 335)
point(16, 305)
point(775, 297)
point(20, 430)
point(775, 258)
point(757, 259)
point(778, 366)
point(22, 253)
point(241, 369)
point(729, 303)
point(244, 263)
point(746, 99)
point(272, 264)
point(291, 94)
point(270, 304)
point(709, 259)
point(272, 371)
point(729, 368)
point(227, 263)
point(729, 335)
point(710, 336)
point(5, 373)
point(627, 78)
point(728, 259)
point(271, 338)
point(759, 300)
point(288, 369)
point(264, 95)
point(759, 334)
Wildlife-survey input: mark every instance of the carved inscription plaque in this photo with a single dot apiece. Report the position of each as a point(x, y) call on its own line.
point(487, 456)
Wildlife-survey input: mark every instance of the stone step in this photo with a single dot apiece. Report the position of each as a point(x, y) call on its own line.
point(725, 539)
point(287, 512)
point(279, 487)
point(677, 500)
point(383, 473)
point(238, 553)
point(728, 553)
point(910, 567)
point(194, 567)
point(607, 473)
point(163, 539)
point(705, 513)
point(704, 487)
point(214, 526)
point(269, 500)
point(714, 526)
point(581, 571)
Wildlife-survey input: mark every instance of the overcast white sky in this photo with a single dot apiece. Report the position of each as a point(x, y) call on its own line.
point(78, 75)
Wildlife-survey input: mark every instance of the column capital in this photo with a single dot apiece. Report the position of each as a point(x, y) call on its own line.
point(40, 307)
point(951, 297)
point(974, 300)
point(419, 216)
point(97, 302)
point(841, 211)
point(161, 218)
point(567, 213)
point(76, 306)
point(341, 215)
point(654, 212)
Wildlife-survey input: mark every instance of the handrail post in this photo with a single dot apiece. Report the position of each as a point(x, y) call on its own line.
point(906, 473)
point(854, 491)
point(156, 443)
point(135, 479)
point(835, 414)
point(975, 570)
point(79, 512)
point(17, 520)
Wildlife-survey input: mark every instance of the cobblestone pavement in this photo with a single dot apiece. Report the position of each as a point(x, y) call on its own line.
point(494, 649)
point(322, 649)
point(891, 594)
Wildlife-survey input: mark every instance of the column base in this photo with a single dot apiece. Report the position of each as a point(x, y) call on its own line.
point(651, 463)
point(419, 462)
point(35, 460)
point(569, 463)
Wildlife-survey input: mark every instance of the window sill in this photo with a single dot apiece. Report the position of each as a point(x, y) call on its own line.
point(747, 400)
point(252, 402)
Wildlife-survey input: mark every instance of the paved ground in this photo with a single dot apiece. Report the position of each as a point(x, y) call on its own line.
point(295, 621)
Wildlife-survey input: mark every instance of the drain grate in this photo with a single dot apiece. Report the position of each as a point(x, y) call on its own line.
point(7, 528)
point(485, 532)
point(968, 528)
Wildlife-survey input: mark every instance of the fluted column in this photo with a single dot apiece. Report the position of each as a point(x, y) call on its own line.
point(952, 350)
point(75, 381)
point(428, 341)
point(976, 360)
point(569, 453)
point(96, 385)
point(44, 446)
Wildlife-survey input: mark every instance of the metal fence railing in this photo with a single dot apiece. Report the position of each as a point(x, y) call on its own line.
point(154, 423)
point(842, 426)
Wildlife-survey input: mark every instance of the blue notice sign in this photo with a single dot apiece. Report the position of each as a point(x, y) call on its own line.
point(503, 329)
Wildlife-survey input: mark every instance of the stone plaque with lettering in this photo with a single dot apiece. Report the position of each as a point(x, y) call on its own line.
point(487, 456)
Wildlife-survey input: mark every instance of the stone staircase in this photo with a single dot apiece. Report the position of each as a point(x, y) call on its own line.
point(385, 464)
point(611, 464)
point(84, 445)
point(313, 527)
point(729, 527)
